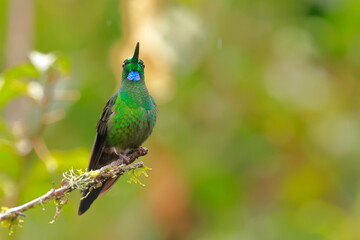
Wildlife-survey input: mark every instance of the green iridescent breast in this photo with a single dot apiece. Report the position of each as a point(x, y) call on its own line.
point(132, 121)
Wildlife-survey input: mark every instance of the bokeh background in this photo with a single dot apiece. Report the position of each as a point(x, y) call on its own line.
point(258, 126)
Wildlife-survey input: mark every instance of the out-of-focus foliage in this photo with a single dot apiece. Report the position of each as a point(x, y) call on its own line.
point(258, 129)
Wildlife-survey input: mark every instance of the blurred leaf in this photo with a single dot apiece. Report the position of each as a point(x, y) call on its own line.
point(42, 61)
point(25, 70)
point(62, 63)
point(14, 81)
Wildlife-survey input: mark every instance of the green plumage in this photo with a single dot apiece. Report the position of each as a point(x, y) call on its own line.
point(133, 119)
point(126, 122)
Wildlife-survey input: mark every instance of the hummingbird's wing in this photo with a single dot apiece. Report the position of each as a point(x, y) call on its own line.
point(96, 159)
point(99, 155)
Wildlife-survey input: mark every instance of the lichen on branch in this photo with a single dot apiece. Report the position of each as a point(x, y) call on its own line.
point(72, 180)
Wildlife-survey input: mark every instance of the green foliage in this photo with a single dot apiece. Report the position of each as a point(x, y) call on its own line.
point(31, 81)
point(257, 135)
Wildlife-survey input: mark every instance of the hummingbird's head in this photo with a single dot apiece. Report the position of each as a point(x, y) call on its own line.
point(133, 67)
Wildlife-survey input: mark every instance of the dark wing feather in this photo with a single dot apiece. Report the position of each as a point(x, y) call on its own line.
point(100, 139)
point(99, 157)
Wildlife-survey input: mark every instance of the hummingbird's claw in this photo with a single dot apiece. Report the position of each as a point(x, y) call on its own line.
point(125, 159)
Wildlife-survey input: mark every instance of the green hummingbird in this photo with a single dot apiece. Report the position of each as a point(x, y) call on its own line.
point(127, 120)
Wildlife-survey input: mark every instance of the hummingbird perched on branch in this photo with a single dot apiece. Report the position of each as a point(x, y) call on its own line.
point(126, 122)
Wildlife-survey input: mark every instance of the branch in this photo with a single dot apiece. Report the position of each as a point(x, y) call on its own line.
point(72, 181)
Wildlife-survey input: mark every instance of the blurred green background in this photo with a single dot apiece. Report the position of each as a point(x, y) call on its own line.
point(258, 126)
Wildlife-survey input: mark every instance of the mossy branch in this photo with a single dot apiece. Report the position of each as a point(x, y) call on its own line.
point(72, 181)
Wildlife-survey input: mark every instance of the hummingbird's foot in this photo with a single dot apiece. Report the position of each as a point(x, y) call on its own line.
point(131, 151)
point(125, 158)
point(122, 155)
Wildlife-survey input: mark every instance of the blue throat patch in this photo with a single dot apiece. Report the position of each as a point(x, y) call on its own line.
point(133, 76)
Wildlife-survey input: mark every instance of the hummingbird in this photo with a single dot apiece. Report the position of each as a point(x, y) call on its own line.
point(127, 120)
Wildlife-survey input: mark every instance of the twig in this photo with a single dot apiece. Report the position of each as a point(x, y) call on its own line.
point(116, 168)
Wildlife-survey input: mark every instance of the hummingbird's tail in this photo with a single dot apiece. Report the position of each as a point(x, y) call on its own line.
point(89, 198)
point(100, 156)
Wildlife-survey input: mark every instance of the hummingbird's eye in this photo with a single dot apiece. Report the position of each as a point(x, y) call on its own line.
point(124, 63)
point(142, 64)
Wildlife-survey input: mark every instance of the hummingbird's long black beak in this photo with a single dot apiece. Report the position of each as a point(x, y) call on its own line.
point(136, 53)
